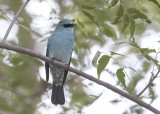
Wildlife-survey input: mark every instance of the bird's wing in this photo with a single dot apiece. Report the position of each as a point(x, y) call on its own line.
point(47, 64)
point(66, 71)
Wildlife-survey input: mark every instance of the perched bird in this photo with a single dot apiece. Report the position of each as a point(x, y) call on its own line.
point(59, 47)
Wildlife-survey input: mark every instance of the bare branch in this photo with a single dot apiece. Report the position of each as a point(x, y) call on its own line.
point(150, 82)
point(14, 19)
point(80, 73)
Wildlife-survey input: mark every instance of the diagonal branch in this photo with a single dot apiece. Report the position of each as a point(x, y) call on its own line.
point(14, 19)
point(80, 73)
point(150, 82)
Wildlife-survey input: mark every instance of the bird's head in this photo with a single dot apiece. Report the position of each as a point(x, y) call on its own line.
point(65, 25)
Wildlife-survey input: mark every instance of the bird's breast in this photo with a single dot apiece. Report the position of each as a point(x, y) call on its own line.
point(61, 48)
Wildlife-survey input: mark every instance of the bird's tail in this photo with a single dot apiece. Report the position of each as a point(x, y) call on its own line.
point(58, 95)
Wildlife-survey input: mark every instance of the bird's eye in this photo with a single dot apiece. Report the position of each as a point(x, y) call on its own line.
point(69, 25)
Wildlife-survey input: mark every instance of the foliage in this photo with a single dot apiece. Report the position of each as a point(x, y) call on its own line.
point(102, 63)
point(98, 22)
point(121, 76)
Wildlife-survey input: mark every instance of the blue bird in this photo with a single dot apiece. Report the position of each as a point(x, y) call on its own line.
point(59, 47)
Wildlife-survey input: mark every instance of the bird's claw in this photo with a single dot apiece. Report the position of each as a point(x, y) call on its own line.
point(53, 58)
point(67, 65)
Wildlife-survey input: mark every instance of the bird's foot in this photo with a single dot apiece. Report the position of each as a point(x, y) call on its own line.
point(67, 65)
point(53, 58)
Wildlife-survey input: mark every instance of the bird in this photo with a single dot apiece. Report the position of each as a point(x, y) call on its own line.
point(59, 47)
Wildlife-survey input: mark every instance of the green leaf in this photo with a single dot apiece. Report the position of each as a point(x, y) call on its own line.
point(95, 58)
point(3, 15)
point(15, 59)
point(137, 14)
point(73, 20)
point(125, 23)
point(132, 10)
point(133, 83)
point(146, 51)
point(114, 53)
point(115, 101)
point(146, 66)
point(89, 16)
point(132, 69)
point(119, 14)
point(134, 45)
point(74, 62)
point(152, 95)
point(132, 27)
point(83, 27)
point(136, 109)
point(155, 2)
point(109, 31)
point(143, 16)
point(120, 43)
point(102, 63)
point(54, 11)
point(88, 7)
point(121, 76)
point(112, 3)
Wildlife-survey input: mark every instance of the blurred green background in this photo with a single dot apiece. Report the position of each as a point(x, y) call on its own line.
point(99, 23)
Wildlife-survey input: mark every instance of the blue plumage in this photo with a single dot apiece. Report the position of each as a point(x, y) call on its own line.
point(59, 47)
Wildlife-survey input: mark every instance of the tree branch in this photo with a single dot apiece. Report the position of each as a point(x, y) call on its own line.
point(150, 82)
point(14, 19)
point(80, 73)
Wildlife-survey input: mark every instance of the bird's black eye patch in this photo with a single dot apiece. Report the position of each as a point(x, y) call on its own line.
point(68, 25)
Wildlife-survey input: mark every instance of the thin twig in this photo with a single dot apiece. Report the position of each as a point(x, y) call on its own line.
point(26, 28)
point(156, 57)
point(14, 19)
point(122, 67)
point(150, 82)
point(80, 73)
